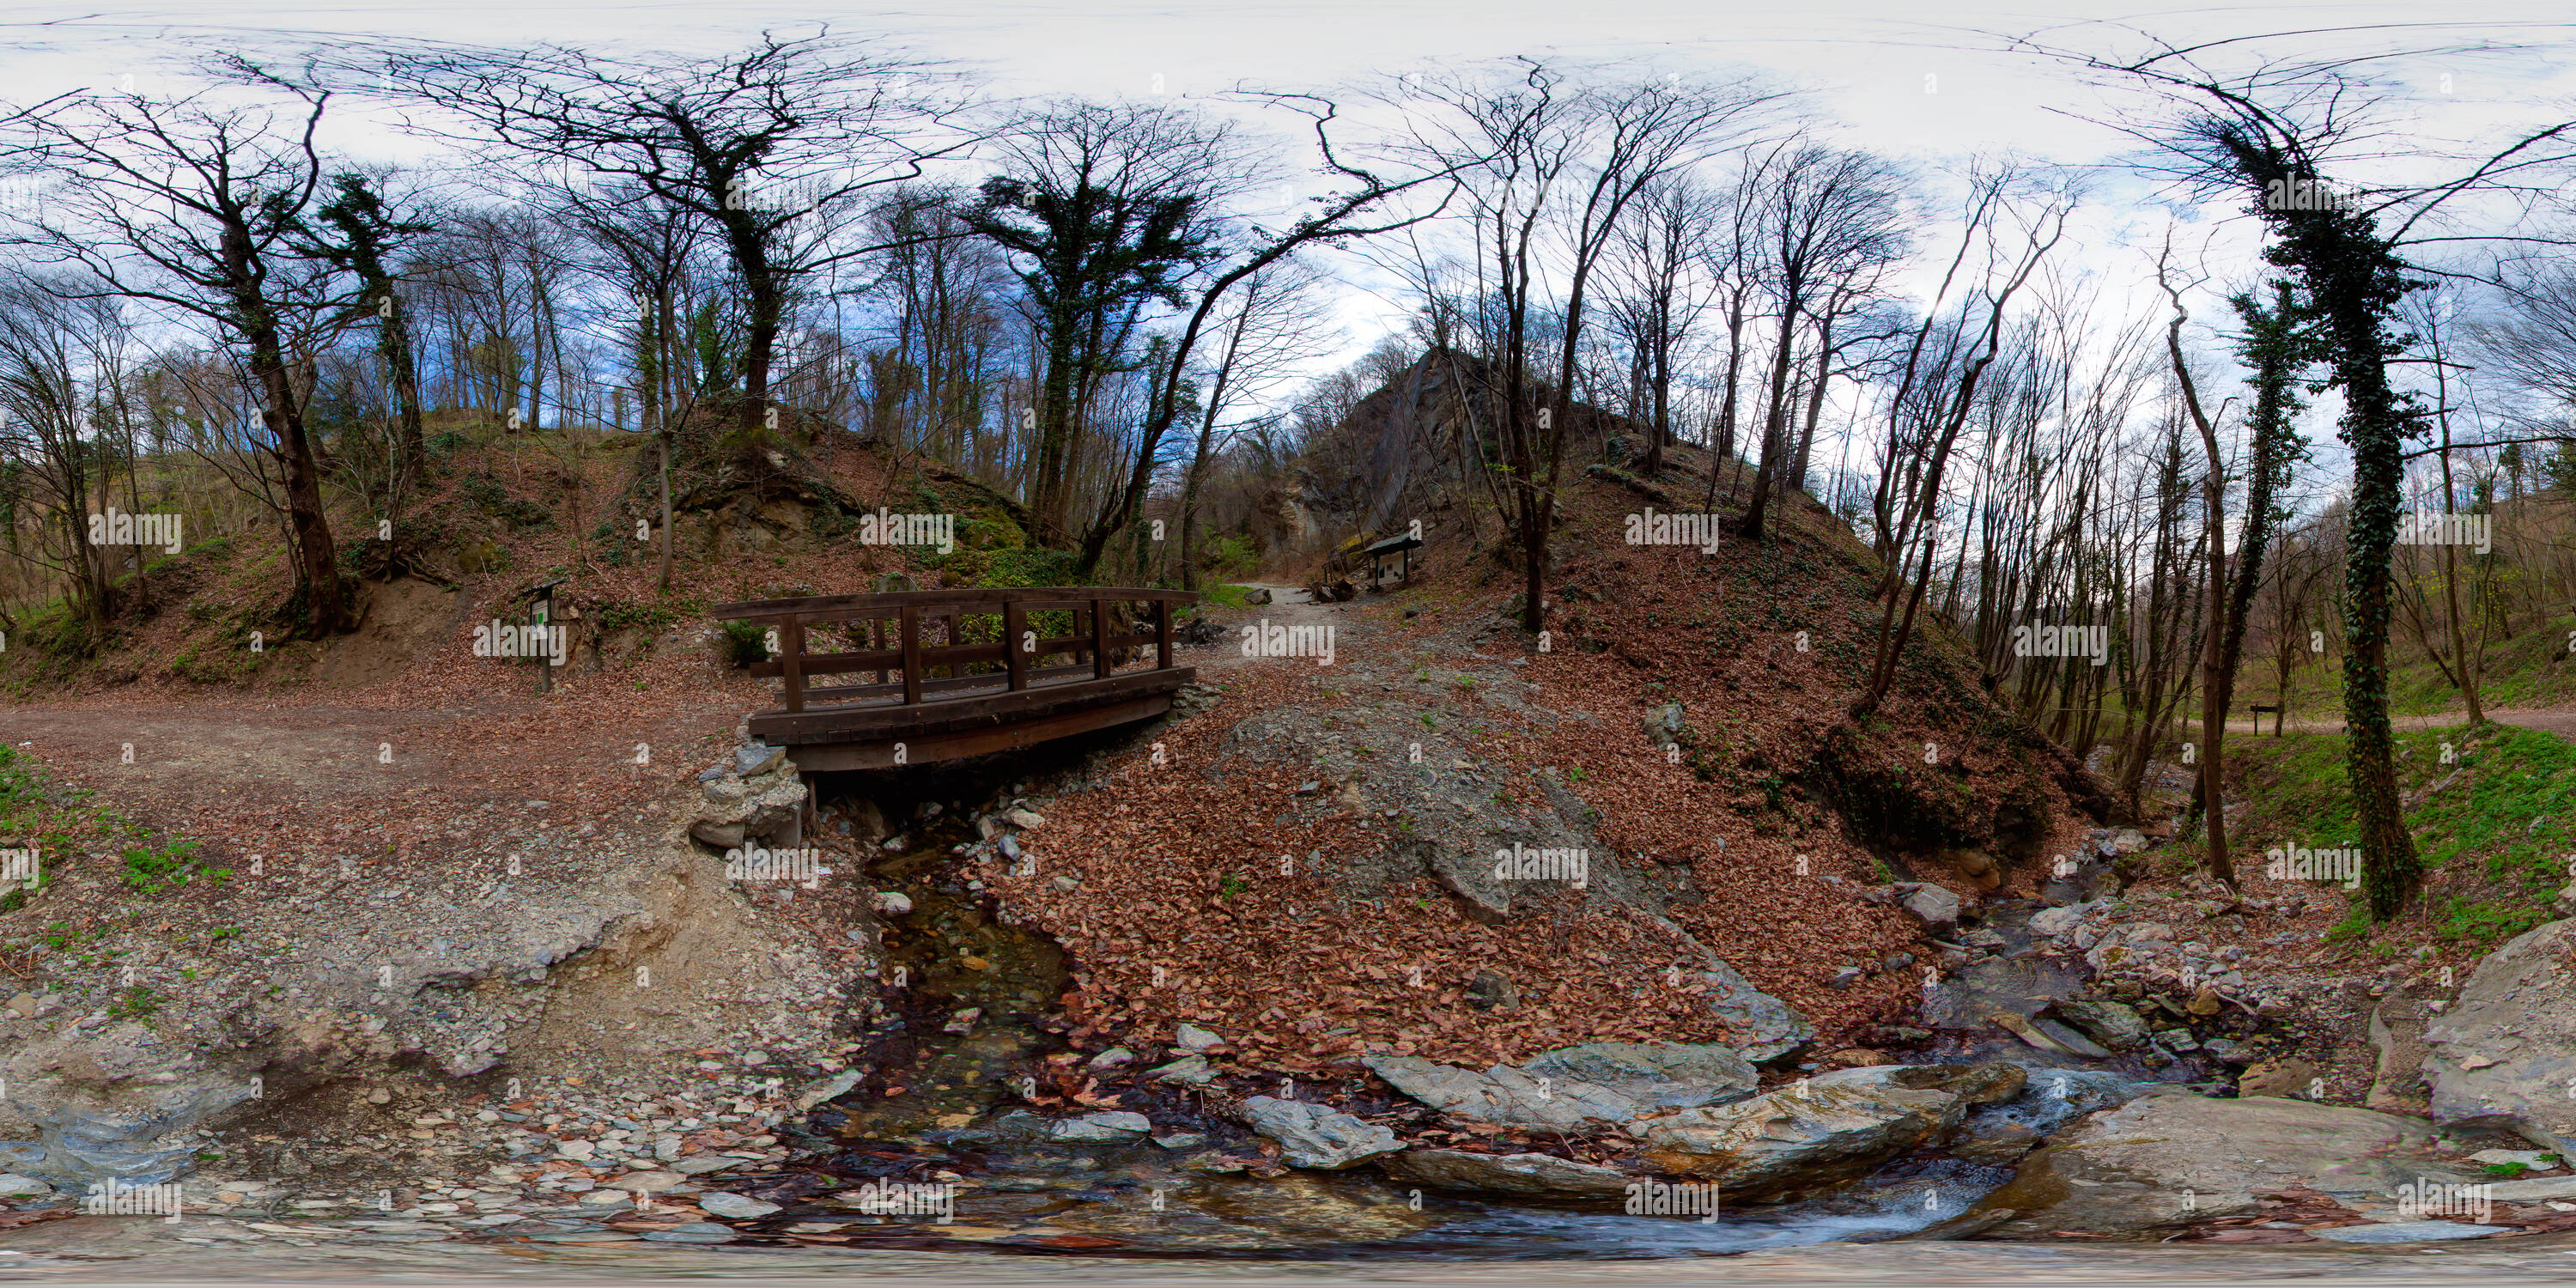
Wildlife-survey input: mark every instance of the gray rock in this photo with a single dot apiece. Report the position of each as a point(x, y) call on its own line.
point(14, 1186)
point(1114, 1058)
point(2057, 923)
point(104, 1100)
point(1100, 1129)
point(2503, 1057)
point(736, 1206)
point(1193, 1069)
point(1654, 1076)
point(2560, 1188)
point(2172, 1159)
point(1933, 906)
point(770, 807)
point(1503, 1094)
point(2409, 1232)
point(755, 759)
point(1314, 1137)
point(1823, 1130)
point(723, 836)
point(1491, 990)
point(1181, 1140)
point(1664, 726)
point(1534, 1175)
point(702, 1164)
point(1190, 1037)
point(2111, 1023)
point(684, 1234)
point(831, 1088)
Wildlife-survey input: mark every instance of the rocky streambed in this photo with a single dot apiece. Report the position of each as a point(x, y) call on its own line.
point(2080, 1079)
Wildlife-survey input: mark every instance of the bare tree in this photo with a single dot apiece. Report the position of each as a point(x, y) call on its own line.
point(774, 147)
point(207, 207)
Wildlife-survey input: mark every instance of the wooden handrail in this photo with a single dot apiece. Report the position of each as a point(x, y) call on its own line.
point(970, 595)
point(908, 654)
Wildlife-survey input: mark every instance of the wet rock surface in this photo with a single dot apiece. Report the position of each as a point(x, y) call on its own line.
point(2505, 1055)
point(2169, 1160)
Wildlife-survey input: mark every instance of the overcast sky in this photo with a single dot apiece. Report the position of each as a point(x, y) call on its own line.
point(1928, 83)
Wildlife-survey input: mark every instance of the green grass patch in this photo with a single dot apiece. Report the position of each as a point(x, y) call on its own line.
point(2496, 825)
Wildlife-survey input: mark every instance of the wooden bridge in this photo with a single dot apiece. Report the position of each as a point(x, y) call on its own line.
point(1003, 687)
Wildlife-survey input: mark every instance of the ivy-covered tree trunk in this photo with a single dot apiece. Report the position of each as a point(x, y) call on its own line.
point(2354, 281)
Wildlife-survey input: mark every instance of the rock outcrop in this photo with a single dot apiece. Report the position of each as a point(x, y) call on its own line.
point(2171, 1159)
point(2505, 1055)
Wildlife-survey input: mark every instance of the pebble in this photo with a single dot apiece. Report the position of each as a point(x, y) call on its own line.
point(736, 1206)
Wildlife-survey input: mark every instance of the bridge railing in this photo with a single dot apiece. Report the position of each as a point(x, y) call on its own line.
point(978, 636)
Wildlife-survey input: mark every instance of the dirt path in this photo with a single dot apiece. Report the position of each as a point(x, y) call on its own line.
point(2562, 723)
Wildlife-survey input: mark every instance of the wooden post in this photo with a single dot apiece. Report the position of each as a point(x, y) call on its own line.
point(911, 626)
point(1099, 640)
point(791, 660)
point(1162, 634)
point(1015, 623)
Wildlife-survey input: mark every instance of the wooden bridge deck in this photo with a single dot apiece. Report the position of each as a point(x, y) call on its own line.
point(1001, 689)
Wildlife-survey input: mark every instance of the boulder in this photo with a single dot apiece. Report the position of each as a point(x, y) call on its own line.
point(737, 1206)
point(1190, 1037)
point(769, 807)
point(1314, 1137)
point(723, 836)
point(1531, 1175)
point(1654, 1076)
point(1936, 908)
point(2113, 1024)
point(1665, 726)
point(110, 1102)
point(2397, 1031)
point(2172, 1159)
point(2504, 1056)
point(1193, 1069)
point(1492, 990)
point(1503, 1095)
point(1101, 1129)
point(1824, 1130)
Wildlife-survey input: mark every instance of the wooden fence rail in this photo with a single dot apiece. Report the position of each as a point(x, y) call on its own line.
point(996, 664)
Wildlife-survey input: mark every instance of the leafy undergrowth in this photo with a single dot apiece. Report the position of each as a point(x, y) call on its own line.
point(2493, 811)
point(56, 822)
point(1211, 888)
